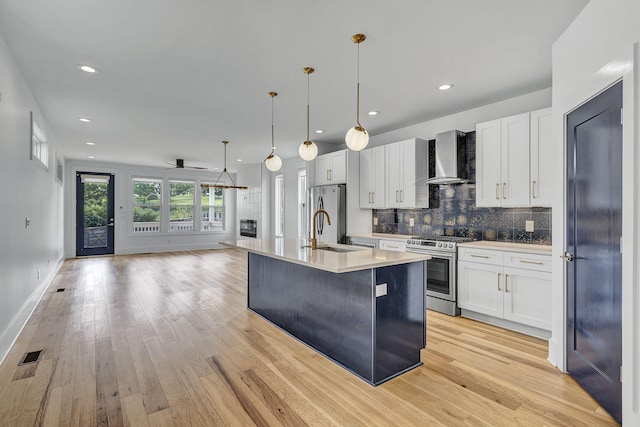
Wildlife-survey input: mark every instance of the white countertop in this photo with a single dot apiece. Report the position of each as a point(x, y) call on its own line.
point(505, 246)
point(358, 258)
point(403, 237)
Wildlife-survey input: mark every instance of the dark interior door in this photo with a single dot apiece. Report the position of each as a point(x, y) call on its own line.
point(594, 229)
point(94, 213)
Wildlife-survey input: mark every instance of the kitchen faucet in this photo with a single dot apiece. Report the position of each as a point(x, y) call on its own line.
point(314, 241)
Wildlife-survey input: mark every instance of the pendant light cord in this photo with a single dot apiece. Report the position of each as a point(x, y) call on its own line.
point(358, 89)
point(308, 77)
point(272, 133)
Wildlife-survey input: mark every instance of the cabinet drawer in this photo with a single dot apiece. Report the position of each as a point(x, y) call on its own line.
point(482, 256)
point(528, 261)
point(392, 245)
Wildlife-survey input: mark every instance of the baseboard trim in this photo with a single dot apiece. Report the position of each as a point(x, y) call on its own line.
point(12, 332)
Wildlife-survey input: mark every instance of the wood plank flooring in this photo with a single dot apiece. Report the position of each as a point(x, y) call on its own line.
point(166, 340)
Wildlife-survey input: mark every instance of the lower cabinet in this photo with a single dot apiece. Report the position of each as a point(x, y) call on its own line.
point(513, 286)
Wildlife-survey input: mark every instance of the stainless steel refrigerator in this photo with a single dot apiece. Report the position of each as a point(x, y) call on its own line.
point(331, 198)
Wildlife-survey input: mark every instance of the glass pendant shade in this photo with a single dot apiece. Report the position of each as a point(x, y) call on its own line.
point(357, 138)
point(273, 162)
point(308, 150)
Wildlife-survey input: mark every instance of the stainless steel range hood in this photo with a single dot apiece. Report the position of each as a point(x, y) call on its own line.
point(450, 158)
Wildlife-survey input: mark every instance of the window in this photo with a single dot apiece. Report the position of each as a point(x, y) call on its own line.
point(279, 206)
point(212, 208)
point(181, 205)
point(147, 204)
point(303, 214)
point(39, 145)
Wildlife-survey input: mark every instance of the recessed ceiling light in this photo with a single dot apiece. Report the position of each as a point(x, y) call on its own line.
point(90, 143)
point(445, 86)
point(319, 131)
point(239, 160)
point(373, 113)
point(88, 69)
point(216, 169)
point(84, 120)
point(91, 157)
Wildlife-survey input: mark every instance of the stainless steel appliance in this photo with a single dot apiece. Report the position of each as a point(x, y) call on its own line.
point(450, 158)
point(331, 198)
point(248, 227)
point(441, 270)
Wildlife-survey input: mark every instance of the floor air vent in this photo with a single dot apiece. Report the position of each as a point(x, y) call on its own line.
point(60, 290)
point(31, 357)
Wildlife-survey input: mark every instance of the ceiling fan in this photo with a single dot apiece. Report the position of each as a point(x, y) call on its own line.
point(179, 164)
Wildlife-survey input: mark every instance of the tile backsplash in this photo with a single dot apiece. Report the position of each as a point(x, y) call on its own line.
point(454, 213)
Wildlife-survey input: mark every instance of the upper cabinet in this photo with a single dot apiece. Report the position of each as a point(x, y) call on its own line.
point(372, 178)
point(541, 153)
point(406, 170)
point(331, 168)
point(510, 154)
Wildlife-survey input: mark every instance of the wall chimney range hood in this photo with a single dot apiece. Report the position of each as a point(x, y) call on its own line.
point(450, 159)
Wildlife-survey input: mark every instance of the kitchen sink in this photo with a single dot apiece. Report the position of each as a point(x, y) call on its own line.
point(334, 249)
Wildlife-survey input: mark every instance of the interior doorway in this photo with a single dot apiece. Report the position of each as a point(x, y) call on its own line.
point(94, 213)
point(594, 260)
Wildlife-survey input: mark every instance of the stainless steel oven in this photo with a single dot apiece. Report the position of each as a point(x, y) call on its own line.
point(441, 283)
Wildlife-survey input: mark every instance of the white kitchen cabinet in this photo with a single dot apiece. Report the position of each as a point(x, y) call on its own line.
point(512, 160)
point(514, 286)
point(406, 169)
point(541, 151)
point(392, 245)
point(331, 168)
point(372, 178)
point(502, 162)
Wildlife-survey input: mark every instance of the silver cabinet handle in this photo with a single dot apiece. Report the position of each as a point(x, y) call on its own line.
point(506, 283)
point(331, 174)
point(499, 274)
point(373, 197)
point(401, 197)
point(328, 179)
point(478, 256)
point(396, 196)
point(526, 261)
point(497, 189)
point(504, 190)
point(533, 189)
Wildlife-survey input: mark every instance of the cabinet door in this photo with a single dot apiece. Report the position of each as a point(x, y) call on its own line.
point(407, 174)
point(515, 160)
point(480, 288)
point(527, 297)
point(392, 166)
point(366, 183)
point(338, 168)
point(488, 164)
point(377, 177)
point(323, 167)
point(541, 155)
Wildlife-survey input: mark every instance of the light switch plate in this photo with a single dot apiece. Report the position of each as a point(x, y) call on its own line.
point(410, 222)
point(375, 221)
point(528, 226)
point(381, 290)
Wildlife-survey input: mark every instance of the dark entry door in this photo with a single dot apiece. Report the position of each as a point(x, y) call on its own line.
point(94, 213)
point(594, 261)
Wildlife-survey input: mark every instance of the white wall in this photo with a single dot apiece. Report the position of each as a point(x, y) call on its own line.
point(595, 51)
point(127, 242)
point(29, 257)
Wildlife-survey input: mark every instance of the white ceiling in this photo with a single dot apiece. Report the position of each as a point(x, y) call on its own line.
point(179, 76)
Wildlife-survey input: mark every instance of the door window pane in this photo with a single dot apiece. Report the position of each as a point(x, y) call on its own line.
point(95, 214)
point(181, 200)
point(147, 203)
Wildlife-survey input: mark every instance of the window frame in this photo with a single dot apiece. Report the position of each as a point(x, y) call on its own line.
point(192, 205)
point(161, 205)
point(201, 207)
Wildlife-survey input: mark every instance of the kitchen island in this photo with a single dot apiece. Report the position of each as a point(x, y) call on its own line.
point(362, 308)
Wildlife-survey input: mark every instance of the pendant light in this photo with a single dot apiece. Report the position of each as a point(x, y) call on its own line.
point(273, 162)
point(216, 185)
point(357, 137)
point(308, 150)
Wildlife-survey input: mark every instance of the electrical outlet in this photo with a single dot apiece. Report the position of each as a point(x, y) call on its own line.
point(375, 221)
point(528, 226)
point(411, 222)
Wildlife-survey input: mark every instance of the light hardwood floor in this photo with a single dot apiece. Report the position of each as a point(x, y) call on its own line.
point(164, 340)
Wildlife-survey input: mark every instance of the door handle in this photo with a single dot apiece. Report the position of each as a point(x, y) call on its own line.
point(504, 190)
point(401, 197)
point(567, 257)
point(396, 196)
point(499, 274)
point(497, 189)
point(110, 224)
point(506, 283)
